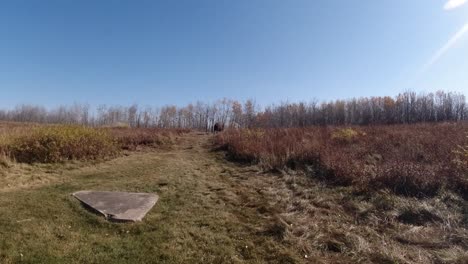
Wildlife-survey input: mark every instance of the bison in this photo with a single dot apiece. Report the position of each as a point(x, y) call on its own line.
point(218, 127)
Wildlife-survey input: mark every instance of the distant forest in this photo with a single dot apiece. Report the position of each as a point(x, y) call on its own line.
point(407, 107)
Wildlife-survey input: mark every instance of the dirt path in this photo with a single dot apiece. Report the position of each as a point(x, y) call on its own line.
point(224, 211)
point(208, 212)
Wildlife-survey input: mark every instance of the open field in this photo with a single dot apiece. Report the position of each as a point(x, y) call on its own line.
point(328, 132)
point(262, 210)
point(202, 215)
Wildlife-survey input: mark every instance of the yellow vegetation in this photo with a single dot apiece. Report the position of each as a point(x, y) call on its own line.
point(60, 143)
point(345, 135)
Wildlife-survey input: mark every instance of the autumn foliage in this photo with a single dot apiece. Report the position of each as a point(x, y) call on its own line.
point(417, 159)
point(131, 138)
point(30, 143)
point(60, 143)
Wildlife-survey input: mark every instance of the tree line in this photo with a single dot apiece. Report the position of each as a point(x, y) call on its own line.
point(407, 107)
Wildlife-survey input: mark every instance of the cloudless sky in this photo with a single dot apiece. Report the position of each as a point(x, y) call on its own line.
point(180, 51)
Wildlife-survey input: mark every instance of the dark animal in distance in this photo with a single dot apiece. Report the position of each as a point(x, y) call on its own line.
point(218, 127)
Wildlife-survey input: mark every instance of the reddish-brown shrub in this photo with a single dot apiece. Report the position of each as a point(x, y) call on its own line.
point(130, 138)
point(408, 159)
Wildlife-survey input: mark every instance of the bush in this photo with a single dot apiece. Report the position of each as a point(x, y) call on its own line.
point(345, 135)
point(462, 155)
point(50, 144)
point(415, 160)
point(4, 160)
point(130, 138)
point(57, 143)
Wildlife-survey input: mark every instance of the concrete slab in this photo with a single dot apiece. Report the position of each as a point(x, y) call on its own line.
point(119, 206)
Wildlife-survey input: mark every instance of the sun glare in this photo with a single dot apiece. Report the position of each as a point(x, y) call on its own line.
point(452, 4)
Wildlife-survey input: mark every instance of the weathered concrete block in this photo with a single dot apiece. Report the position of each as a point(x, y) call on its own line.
point(118, 206)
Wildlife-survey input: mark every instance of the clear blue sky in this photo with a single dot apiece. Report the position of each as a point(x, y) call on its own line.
point(175, 52)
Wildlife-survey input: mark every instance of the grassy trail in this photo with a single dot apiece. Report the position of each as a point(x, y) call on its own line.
point(207, 213)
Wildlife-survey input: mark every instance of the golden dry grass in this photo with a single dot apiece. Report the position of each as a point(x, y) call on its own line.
point(33, 143)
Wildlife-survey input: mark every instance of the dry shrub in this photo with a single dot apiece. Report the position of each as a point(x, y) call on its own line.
point(5, 162)
point(48, 144)
point(345, 135)
point(415, 160)
point(131, 138)
point(27, 142)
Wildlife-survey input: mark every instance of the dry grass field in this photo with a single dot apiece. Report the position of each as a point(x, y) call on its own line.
point(201, 217)
point(412, 160)
point(382, 194)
